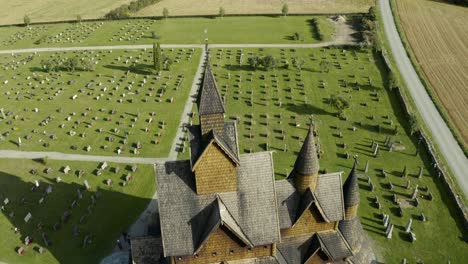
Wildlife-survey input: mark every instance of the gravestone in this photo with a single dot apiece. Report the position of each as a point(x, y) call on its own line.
point(27, 217)
point(389, 231)
point(86, 184)
point(408, 226)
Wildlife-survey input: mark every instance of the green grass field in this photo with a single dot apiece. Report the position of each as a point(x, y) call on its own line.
point(106, 99)
point(115, 210)
point(254, 97)
point(54, 10)
point(170, 31)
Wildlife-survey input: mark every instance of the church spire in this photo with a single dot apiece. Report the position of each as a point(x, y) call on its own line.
point(306, 168)
point(351, 193)
point(210, 107)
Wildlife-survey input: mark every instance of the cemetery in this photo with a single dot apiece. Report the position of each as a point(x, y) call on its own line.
point(120, 107)
point(60, 217)
point(273, 108)
point(173, 31)
point(114, 103)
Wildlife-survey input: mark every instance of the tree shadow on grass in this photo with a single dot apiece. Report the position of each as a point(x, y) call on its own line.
point(307, 109)
point(141, 69)
point(102, 222)
point(236, 67)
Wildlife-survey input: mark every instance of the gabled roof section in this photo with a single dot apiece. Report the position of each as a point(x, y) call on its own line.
point(351, 188)
point(213, 138)
point(183, 213)
point(307, 160)
point(220, 216)
point(304, 204)
point(334, 245)
point(329, 196)
point(210, 99)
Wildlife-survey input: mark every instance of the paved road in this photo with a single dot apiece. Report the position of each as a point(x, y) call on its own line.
point(15, 154)
point(176, 46)
point(441, 134)
point(177, 143)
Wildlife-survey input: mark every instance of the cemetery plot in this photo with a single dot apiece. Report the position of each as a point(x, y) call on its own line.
point(273, 109)
point(169, 31)
point(118, 106)
point(60, 217)
point(75, 33)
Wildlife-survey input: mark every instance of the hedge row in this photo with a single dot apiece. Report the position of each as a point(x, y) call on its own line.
point(125, 11)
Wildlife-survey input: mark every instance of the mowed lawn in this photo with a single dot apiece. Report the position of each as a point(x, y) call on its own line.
point(115, 107)
point(211, 7)
point(115, 210)
point(12, 12)
point(273, 109)
point(259, 29)
point(437, 33)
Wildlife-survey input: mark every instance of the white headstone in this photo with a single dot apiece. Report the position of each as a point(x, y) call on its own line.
point(6, 201)
point(27, 217)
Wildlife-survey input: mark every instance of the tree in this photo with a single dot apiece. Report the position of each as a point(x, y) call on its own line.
point(157, 57)
point(222, 12)
point(298, 63)
point(371, 14)
point(324, 66)
point(269, 62)
point(285, 10)
point(392, 81)
point(165, 13)
point(414, 123)
point(154, 35)
point(88, 65)
point(253, 62)
point(339, 103)
point(71, 64)
point(50, 65)
point(167, 62)
point(78, 18)
point(27, 20)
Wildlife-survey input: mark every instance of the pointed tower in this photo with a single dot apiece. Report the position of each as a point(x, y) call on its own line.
point(211, 107)
point(351, 194)
point(306, 168)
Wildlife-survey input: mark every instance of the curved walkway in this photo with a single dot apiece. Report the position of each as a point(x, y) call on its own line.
point(441, 134)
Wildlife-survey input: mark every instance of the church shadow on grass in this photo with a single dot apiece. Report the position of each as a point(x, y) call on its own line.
point(69, 229)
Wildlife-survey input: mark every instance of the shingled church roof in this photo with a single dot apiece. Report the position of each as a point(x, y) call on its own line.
point(307, 160)
point(228, 142)
point(210, 101)
point(186, 218)
point(328, 197)
point(351, 188)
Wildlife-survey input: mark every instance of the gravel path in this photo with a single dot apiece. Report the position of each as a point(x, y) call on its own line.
point(441, 134)
point(14, 154)
point(177, 143)
point(175, 46)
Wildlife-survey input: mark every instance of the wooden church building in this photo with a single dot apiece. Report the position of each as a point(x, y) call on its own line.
point(223, 207)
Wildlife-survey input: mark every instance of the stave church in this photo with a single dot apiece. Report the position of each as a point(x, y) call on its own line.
point(224, 207)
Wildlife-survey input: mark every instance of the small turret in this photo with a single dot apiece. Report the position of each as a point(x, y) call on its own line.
point(351, 194)
point(306, 168)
